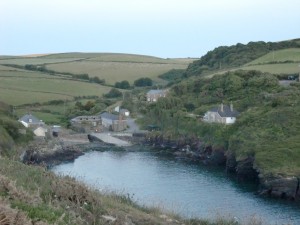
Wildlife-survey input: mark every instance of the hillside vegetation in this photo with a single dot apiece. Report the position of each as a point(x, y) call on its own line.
point(10, 134)
point(227, 57)
point(267, 128)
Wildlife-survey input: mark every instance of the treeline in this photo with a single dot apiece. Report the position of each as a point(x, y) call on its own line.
point(236, 55)
point(42, 68)
point(141, 82)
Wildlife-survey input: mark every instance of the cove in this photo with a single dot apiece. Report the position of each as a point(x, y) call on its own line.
point(189, 189)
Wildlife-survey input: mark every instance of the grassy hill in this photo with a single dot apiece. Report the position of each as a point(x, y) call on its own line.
point(111, 67)
point(288, 55)
point(35, 81)
point(267, 129)
point(226, 58)
point(116, 67)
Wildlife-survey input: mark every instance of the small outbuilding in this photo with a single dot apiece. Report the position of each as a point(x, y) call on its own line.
point(40, 132)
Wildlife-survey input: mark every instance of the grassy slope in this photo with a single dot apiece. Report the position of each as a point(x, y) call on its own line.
point(280, 68)
point(30, 87)
point(109, 66)
point(227, 58)
point(117, 67)
point(116, 71)
point(290, 54)
point(285, 61)
point(36, 60)
point(33, 86)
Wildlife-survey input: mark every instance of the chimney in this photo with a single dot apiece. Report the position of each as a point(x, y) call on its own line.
point(222, 107)
point(231, 107)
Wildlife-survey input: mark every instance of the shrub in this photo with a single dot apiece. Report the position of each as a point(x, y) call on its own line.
point(113, 93)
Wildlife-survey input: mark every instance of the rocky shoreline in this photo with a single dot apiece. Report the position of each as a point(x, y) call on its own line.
point(279, 186)
point(56, 151)
point(52, 153)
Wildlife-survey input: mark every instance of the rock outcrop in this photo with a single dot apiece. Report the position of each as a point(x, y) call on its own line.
point(280, 187)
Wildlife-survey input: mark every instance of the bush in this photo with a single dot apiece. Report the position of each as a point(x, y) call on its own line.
point(122, 85)
point(143, 82)
point(113, 93)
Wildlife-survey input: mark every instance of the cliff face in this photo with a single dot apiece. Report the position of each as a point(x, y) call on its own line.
point(279, 186)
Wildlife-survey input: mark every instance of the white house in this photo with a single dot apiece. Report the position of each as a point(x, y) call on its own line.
point(154, 95)
point(29, 120)
point(221, 114)
point(124, 112)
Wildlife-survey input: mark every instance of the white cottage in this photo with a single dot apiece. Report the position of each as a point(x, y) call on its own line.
point(154, 95)
point(29, 120)
point(221, 114)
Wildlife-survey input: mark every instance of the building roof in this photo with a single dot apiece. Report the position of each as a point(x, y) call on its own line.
point(28, 118)
point(109, 116)
point(152, 92)
point(89, 118)
point(124, 110)
point(226, 111)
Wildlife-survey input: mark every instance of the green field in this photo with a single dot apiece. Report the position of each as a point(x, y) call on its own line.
point(7, 68)
point(116, 71)
point(291, 54)
point(111, 67)
point(286, 61)
point(18, 88)
point(286, 68)
point(116, 67)
point(36, 60)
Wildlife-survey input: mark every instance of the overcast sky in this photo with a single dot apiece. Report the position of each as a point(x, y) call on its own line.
point(163, 28)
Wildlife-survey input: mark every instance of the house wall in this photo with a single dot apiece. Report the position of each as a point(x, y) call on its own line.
point(119, 125)
point(214, 117)
point(230, 120)
point(155, 97)
point(106, 122)
point(40, 132)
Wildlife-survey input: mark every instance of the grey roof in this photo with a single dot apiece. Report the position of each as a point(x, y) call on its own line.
point(124, 110)
point(28, 118)
point(109, 116)
point(226, 111)
point(151, 92)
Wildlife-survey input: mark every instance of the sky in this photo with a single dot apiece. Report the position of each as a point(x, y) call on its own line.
point(162, 28)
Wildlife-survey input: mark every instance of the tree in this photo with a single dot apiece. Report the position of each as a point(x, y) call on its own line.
point(123, 84)
point(143, 82)
point(113, 93)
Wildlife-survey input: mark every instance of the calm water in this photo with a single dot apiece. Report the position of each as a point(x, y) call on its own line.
point(191, 190)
